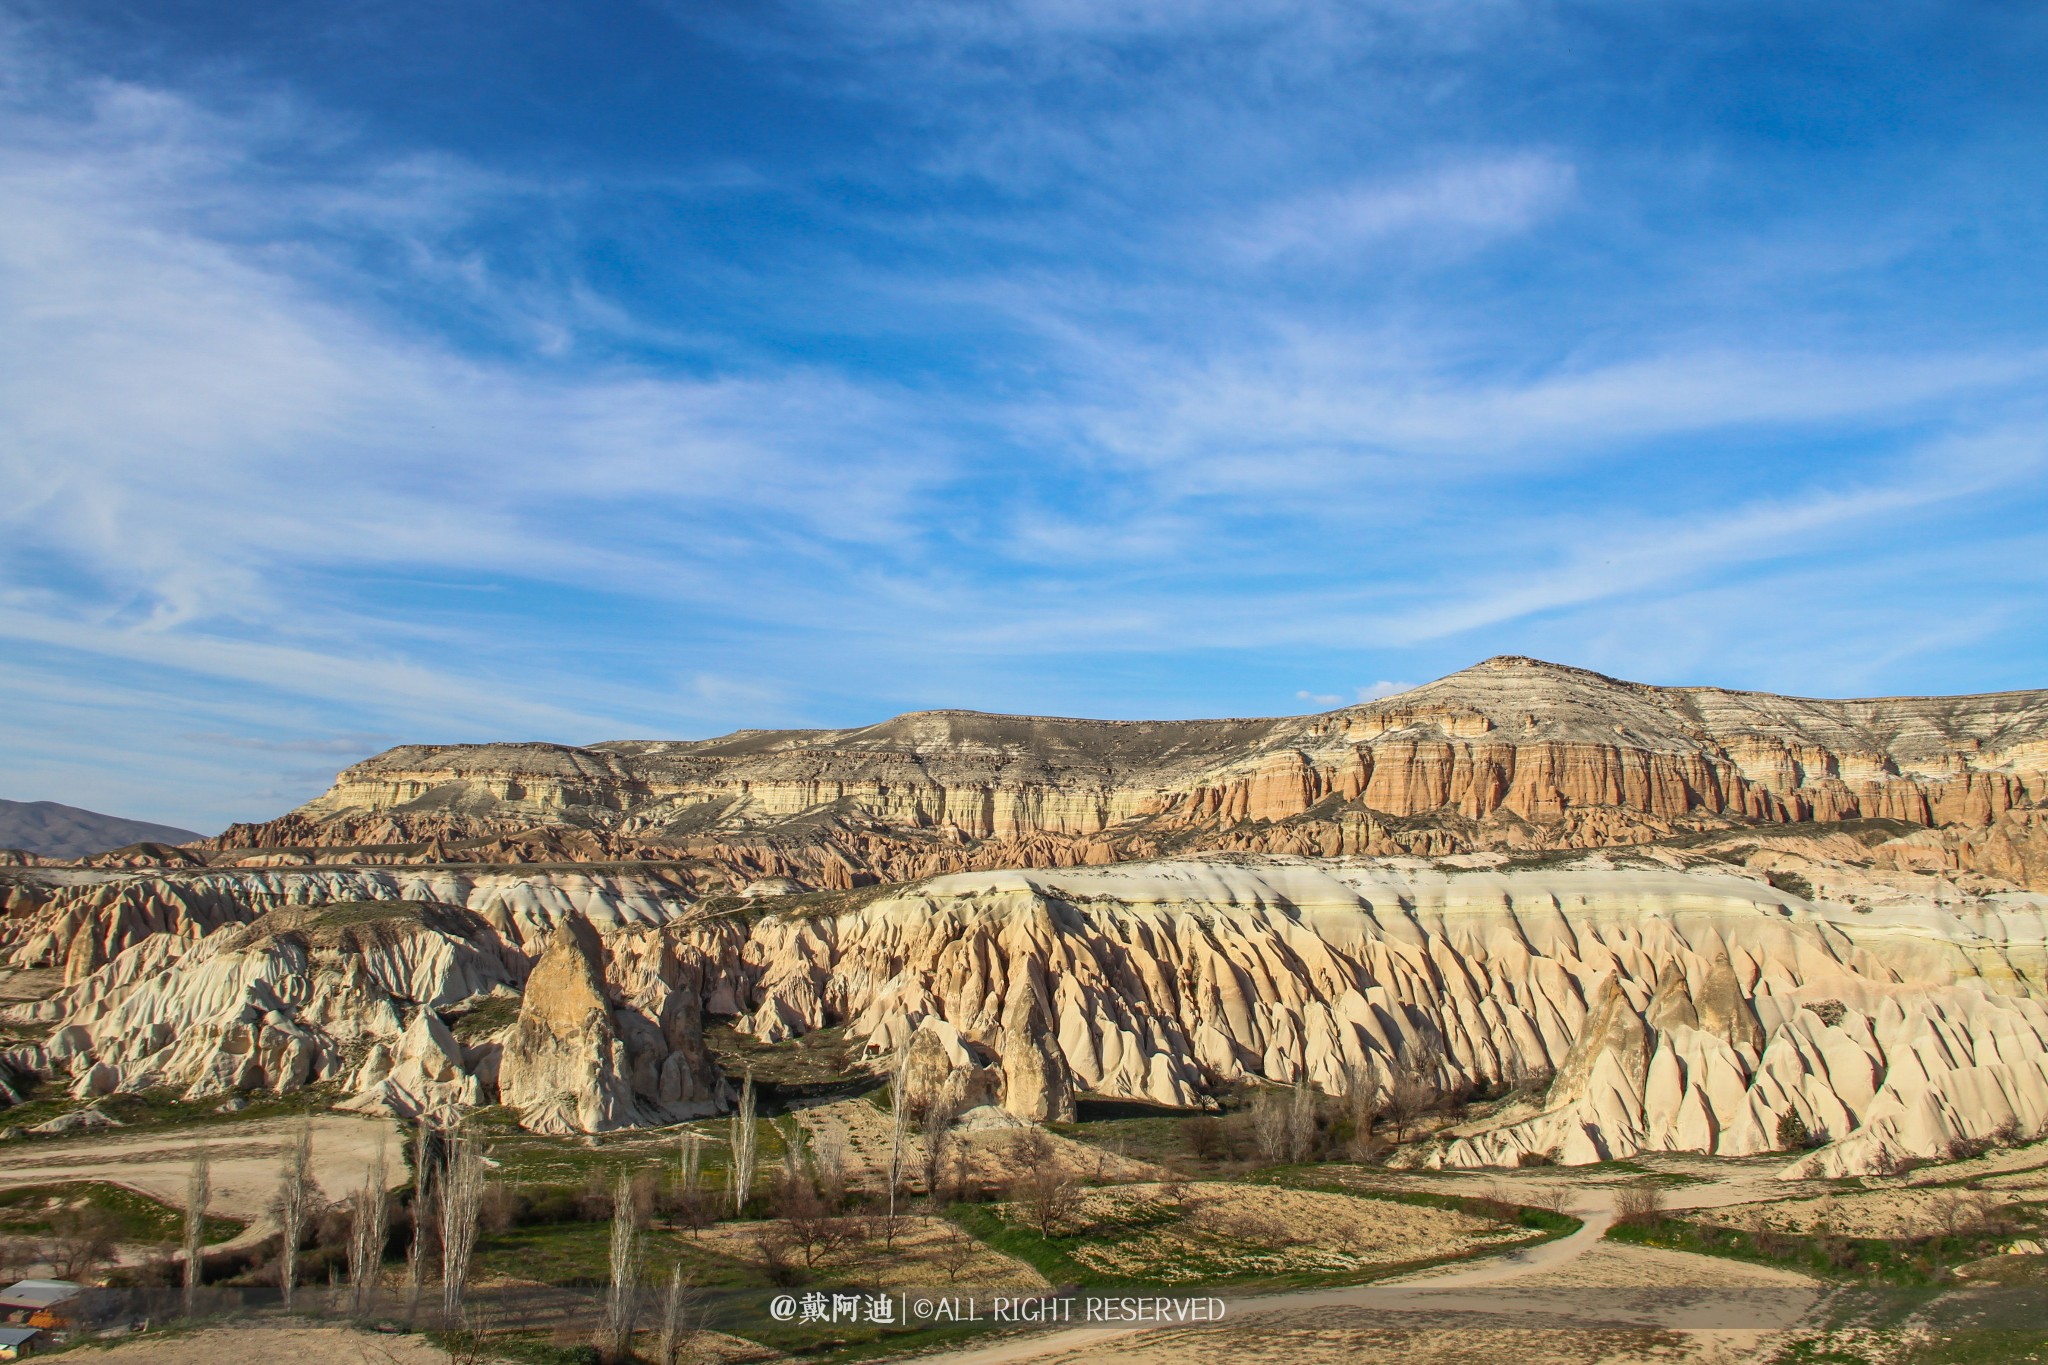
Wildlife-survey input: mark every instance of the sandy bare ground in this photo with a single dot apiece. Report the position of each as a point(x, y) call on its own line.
point(1576, 1300)
point(859, 1135)
point(928, 1251)
point(1905, 1212)
point(35, 983)
point(273, 1343)
point(1568, 1303)
point(1264, 1230)
point(245, 1161)
point(1713, 1182)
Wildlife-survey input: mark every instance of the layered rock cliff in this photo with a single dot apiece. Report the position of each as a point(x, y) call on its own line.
point(1513, 753)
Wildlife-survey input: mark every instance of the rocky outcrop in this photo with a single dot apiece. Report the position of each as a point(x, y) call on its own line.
point(1680, 1008)
point(425, 1071)
point(945, 1073)
point(564, 1067)
point(55, 916)
point(290, 999)
point(1036, 1085)
point(576, 1063)
point(1683, 1002)
point(1513, 753)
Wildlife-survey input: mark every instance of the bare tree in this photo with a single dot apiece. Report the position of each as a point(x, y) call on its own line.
point(939, 1118)
point(1284, 1124)
point(956, 1252)
point(794, 1149)
point(369, 1223)
point(1045, 1190)
point(622, 1300)
point(294, 1204)
point(83, 1239)
point(899, 1131)
point(1958, 1213)
point(1362, 1102)
point(1301, 1123)
point(828, 1160)
point(809, 1224)
point(1412, 1090)
point(423, 1190)
point(198, 1194)
point(693, 1204)
point(678, 1314)
point(690, 1163)
point(1641, 1204)
point(462, 1197)
point(746, 1147)
point(469, 1342)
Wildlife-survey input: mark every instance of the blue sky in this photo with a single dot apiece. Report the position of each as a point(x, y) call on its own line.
point(449, 370)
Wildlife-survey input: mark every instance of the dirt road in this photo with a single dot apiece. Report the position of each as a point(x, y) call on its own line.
point(245, 1160)
point(1579, 1298)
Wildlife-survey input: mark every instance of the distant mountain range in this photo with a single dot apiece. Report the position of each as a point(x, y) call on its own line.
point(54, 831)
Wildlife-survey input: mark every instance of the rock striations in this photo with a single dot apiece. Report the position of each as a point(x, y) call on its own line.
point(1676, 1005)
point(1698, 916)
point(1512, 753)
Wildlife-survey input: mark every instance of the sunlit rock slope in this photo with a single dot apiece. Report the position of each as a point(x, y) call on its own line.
point(1680, 1001)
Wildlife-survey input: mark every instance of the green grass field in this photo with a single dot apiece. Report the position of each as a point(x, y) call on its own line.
point(39, 1210)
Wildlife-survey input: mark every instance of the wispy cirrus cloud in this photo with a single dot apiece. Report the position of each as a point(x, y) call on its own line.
point(358, 745)
point(1464, 201)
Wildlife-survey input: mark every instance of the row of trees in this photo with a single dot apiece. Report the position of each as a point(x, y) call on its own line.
point(452, 1200)
point(1285, 1125)
point(441, 1224)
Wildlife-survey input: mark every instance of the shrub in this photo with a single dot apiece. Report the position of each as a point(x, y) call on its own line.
point(1204, 1133)
point(1793, 1134)
point(771, 1252)
point(1044, 1190)
point(594, 1200)
point(1544, 1158)
point(1284, 1124)
point(1791, 883)
point(500, 1208)
point(1638, 1205)
point(1963, 1149)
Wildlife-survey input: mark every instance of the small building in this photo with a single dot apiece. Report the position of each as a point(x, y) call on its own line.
point(17, 1343)
point(43, 1300)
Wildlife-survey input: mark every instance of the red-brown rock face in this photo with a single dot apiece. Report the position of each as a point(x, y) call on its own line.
point(1510, 753)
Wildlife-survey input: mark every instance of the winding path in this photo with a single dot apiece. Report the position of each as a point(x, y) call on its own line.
point(1448, 1289)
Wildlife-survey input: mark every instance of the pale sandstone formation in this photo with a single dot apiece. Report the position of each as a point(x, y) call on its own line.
point(1036, 1085)
point(574, 1064)
point(945, 1072)
point(564, 1068)
point(1682, 1006)
point(289, 999)
point(1671, 1003)
point(426, 1071)
point(81, 920)
point(1511, 753)
point(231, 996)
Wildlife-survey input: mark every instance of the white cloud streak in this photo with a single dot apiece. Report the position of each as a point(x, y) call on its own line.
point(1469, 200)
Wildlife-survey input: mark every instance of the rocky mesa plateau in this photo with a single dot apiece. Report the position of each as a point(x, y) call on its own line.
point(1510, 754)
